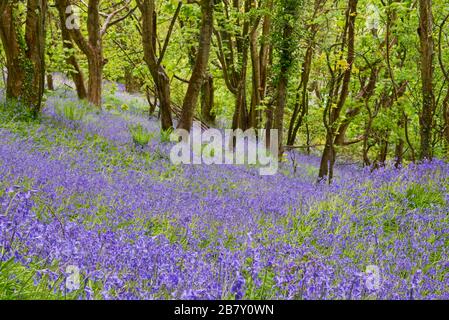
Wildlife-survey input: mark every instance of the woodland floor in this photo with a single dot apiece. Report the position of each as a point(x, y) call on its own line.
point(75, 191)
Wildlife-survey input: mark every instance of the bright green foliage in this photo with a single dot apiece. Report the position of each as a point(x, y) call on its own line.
point(141, 136)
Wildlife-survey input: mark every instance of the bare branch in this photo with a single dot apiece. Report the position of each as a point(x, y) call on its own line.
point(109, 22)
point(170, 30)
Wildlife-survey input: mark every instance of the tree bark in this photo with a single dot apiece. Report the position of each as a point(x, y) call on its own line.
point(254, 118)
point(13, 51)
point(200, 67)
point(286, 57)
point(265, 50)
point(446, 122)
point(50, 83)
point(301, 105)
point(328, 157)
point(427, 52)
point(95, 66)
point(94, 54)
point(364, 95)
point(160, 78)
point(93, 46)
point(76, 74)
point(233, 49)
point(207, 100)
point(25, 61)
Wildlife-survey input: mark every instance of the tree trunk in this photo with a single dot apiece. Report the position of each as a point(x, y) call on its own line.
point(95, 64)
point(301, 104)
point(25, 61)
point(399, 151)
point(207, 100)
point(163, 86)
point(240, 117)
point(265, 50)
point(50, 83)
point(364, 95)
point(255, 115)
point(35, 39)
point(279, 112)
point(160, 78)
point(200, 67)
point(268, 125)
point(329, 156)
point(13, 51)
point(426, 42)
point(446, 122)
point(76, 74)
point(94, 54)
point(93, 48)
point(287, 45)
point(327, 159)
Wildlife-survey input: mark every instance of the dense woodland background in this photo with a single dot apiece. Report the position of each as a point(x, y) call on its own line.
point(367, 79)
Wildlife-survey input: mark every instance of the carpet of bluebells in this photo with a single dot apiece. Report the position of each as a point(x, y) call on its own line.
point(81, 193)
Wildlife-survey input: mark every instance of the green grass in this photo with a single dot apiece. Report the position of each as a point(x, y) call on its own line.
point(18, 282)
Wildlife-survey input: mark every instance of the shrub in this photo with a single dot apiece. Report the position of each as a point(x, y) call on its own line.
point(109, 107)
point(165, 135)
point(71, 111)
point(141, 136)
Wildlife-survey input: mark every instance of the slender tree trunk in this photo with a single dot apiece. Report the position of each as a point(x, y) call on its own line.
point(329, 156)
point(93, 47)
point(255, 94)
point(446, 122)
point(301, 104)
point(152, 101)
point(427, 52)
point(279, 112)
point(200, 67)
point(265, 57)
point(265, 50)
point(160, 78)
point(50, 83)
point(286, 57)
point(364, 95)
point(366, 136)
point(254, 118)
point(240, 118)
point(76, 74)
point(207, 100)
point(163, 88)
point(269, 124)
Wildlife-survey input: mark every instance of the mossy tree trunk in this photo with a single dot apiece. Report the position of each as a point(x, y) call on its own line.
point(25, 53)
